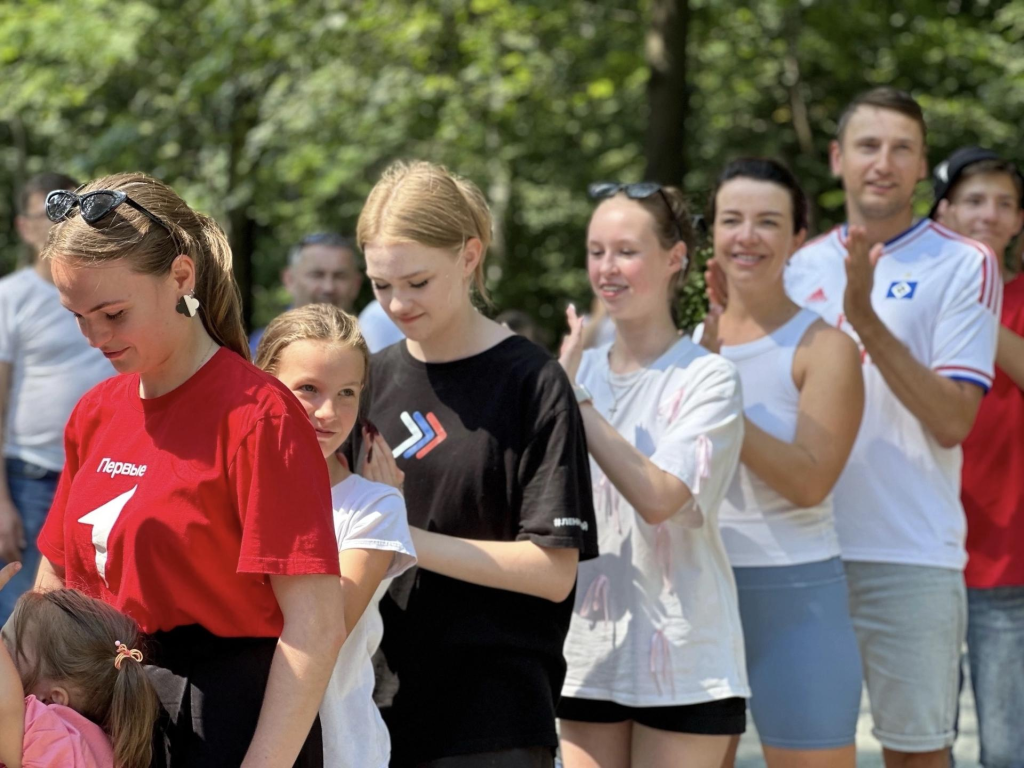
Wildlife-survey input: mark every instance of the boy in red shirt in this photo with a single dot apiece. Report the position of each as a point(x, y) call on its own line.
point(980, 195)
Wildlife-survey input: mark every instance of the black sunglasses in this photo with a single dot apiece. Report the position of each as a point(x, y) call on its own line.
point(641, 190)
point(94, 206)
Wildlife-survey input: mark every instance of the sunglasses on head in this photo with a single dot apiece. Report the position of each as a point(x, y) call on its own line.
point(601, 190)
point(94, 206)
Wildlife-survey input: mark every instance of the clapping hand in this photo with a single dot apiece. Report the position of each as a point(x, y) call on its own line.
point(861, 259)
point(377, 463)
point(572, 345)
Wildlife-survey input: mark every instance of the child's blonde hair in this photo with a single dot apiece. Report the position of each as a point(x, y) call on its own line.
point(75, 639)
point(424, 203)
point(313, 322)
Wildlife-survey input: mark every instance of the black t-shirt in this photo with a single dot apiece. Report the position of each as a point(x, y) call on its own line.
point(493, 448)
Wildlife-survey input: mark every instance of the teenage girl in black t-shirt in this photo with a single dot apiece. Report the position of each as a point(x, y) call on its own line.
point(485, 426)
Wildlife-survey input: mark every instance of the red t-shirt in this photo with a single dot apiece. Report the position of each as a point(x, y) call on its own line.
point(174, 509)
point(993, 476)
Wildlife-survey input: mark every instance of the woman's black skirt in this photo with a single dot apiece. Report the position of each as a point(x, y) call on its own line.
point(211, 692)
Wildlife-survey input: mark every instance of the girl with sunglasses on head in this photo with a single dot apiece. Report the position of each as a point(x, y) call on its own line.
point(194, 495)
point(73, 693)
point(318, 352)
point(487, 432)
point(656, 672)
point(803, 399)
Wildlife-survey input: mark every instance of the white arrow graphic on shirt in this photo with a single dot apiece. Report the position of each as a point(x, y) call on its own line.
point(102, 520)
point(416, 435)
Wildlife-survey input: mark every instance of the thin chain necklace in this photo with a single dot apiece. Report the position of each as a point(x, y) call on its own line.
point(207, 356)
point(634, 378)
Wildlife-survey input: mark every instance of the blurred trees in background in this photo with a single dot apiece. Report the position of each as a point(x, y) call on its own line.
point(277, 116)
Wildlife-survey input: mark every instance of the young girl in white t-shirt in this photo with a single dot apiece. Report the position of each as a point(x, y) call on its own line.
point(656, 674)
point(318, 352)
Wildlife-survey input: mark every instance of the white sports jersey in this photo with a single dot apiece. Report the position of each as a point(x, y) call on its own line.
point(898, 500)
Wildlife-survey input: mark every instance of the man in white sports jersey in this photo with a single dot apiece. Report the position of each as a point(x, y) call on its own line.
point(923, 303)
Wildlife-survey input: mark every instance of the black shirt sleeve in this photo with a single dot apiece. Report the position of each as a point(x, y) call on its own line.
point(554, 474)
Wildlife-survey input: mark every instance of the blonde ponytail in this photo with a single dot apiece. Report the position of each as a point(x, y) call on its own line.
point(425, 203)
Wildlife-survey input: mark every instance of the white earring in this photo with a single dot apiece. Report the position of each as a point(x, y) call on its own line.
point(188, 304)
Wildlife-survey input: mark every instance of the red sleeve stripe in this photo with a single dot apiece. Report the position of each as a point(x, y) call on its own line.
point(836, 229)
point(989, 267)
point(962, 369)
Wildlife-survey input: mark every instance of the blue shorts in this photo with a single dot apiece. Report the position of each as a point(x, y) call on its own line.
point(802, 657)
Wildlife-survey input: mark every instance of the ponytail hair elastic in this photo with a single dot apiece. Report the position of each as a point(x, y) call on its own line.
point(123, 653)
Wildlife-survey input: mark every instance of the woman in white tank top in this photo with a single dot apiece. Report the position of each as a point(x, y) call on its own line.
point(803, 400)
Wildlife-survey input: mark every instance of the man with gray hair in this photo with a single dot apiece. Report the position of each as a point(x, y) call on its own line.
point(322, 269)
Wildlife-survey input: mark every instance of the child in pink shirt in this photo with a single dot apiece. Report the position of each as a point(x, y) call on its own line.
point(73, 693)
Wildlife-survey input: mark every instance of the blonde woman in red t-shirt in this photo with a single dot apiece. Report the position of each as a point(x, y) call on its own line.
point(194, 496)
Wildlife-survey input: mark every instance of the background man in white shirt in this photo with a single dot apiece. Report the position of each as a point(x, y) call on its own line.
point(923, 303)
point(46, 365)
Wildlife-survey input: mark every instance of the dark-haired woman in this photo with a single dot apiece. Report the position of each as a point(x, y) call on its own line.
point(194, 496)
point(656, 675)
point(803, 397)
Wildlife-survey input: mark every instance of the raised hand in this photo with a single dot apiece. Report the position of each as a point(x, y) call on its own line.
point(716, 287)
point(709, 338)
point(861, 259)
point(379, 465)
point(572, 345)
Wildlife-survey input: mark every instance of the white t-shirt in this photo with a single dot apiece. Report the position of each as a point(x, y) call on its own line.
point(759, 526)
point(656, 621)
point(367, 515)
point(377, 328)
point(52, 366)
point(940, 294)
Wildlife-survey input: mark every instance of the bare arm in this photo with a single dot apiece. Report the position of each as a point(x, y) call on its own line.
point(651, 491)
point(517, 566)
point(49, 576)
point(1010, 355)
point(314, 630)
point(362, 571)
point(12, 696)
point(830, 409)
point(12, 530)
point(946, 407)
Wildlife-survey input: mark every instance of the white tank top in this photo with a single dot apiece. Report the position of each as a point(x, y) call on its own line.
point(759, 526)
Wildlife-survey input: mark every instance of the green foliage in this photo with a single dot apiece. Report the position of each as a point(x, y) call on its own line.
point(279, 115)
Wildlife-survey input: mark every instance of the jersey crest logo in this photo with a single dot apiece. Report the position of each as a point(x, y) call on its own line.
point(102, 520)
point(817, 297)
point(901, 289)
point(425, 434)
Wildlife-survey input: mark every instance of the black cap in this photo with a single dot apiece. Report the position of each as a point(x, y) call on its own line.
point(948, 171)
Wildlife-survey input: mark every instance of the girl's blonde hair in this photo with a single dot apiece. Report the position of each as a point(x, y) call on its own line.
point(424, 203)
point(313, 322)
point(130, 235)
point(75, 641)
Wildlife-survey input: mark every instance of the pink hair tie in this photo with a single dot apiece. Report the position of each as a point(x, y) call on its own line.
point(123, 652)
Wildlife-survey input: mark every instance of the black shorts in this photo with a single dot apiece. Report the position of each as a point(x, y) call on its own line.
point(726, 717)
point(211, 692)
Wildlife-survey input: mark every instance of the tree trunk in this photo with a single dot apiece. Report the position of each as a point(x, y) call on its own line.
point(665, 51)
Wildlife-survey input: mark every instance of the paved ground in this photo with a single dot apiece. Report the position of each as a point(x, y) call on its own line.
point(869, 753)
